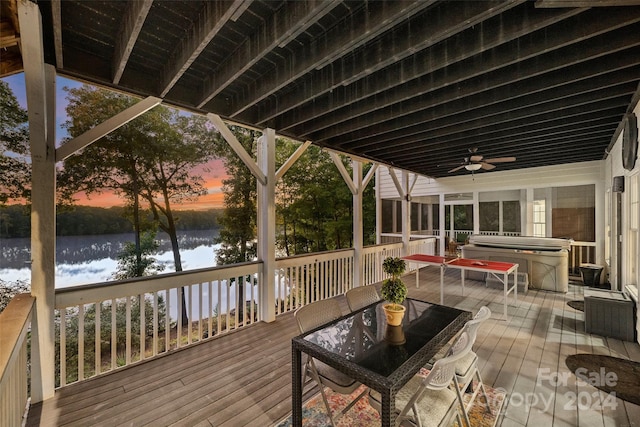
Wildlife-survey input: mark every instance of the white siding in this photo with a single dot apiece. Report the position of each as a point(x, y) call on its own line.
point(548, 176)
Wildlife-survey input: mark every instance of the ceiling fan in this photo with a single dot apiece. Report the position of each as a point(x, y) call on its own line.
point(476, 162)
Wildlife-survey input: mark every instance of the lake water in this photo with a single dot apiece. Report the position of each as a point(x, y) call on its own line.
point(93, 259)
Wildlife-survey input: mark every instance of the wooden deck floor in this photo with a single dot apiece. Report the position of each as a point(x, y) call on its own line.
point(243, 379)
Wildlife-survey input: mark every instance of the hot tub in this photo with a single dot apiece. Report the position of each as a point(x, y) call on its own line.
point(545, 260)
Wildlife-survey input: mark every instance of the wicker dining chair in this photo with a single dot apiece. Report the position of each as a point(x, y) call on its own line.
point(433, 400)
point(361, 296)
point(310, 317)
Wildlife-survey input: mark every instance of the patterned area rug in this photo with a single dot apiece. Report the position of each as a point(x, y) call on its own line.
point(363, 415)
point(609, 374)
point(576, 305)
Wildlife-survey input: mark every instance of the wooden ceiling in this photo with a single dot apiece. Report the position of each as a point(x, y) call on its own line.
point(412, 84)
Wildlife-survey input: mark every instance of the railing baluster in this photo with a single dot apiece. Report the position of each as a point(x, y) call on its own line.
point(63, 347)
point(253, 297)
point(180, 291)
point(98, 338)
point(114, 328)
point(236, 298)
point(128, 331)
point(167, 320)
point(80, 342)
point(219, 317)
point(190, 312)
point(300, 280)
point(210, 310)
point(278, 291)
point(143, 326)
point(155, 323)
point(200, 309)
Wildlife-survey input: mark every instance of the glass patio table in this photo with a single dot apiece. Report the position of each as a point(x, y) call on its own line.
point(382, 357)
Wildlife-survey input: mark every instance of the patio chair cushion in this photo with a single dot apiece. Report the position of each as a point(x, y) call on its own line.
point(465, 364)
point(336, 379)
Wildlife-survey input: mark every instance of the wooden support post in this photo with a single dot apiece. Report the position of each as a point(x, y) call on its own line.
point(267, 224)
point(40, 88)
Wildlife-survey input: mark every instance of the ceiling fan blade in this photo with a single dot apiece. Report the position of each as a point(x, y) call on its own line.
point(486, 166)
point(475, 158)
point(456, 169)
point(501, 160)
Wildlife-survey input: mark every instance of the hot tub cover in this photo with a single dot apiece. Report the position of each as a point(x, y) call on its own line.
point(522, 242)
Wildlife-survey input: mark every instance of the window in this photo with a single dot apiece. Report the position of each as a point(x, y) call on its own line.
point(415, 216)
point(539, 215)
point(387, 216)
point(489, 216)
point(511, 216)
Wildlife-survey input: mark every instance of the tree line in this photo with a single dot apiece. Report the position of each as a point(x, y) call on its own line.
point(156, 162)
point(15, 221)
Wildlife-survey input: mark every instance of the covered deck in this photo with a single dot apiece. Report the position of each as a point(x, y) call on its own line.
point(244, 377)
point(547, 84)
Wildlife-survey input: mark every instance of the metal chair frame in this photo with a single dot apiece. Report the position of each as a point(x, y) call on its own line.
point(441, 379)
point(310, 317)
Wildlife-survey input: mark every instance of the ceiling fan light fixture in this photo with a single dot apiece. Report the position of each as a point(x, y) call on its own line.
point(473, 166)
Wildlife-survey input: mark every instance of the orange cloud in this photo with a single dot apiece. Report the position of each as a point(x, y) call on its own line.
point(213, 173)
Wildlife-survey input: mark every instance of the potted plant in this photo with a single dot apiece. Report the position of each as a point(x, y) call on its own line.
point(394, 290)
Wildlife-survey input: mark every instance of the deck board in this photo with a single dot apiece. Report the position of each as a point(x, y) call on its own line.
point(244, 378)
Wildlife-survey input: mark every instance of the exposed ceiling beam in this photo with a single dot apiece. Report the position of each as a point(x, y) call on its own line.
point(130, 26)
point(505, 150)
point(11, 62)
point(584, 3)
point(516, 23)
point(214, 15)
point(278, 30)
point(469, 41)
point(444, 148)
point(558, 67)
point(552, 127)
point(497, 101)
point(377, 17)
point(512, 120)
point(56, 17)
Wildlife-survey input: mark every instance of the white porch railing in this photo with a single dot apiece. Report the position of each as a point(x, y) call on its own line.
point(105, 326)
point(303, 279)
point(102, 327)
point(373, 256)
point(15, 321)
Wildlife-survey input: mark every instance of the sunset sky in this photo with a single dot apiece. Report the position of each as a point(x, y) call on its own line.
point(213, 172)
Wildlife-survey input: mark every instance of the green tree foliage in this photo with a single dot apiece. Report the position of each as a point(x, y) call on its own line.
point(315, 206)
point(72, 320)
point(15, 220)
point(87, 220)
point(150, 158)
point(131, 265)
point(15, 170)
point(8, 290)
point(237, 236)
